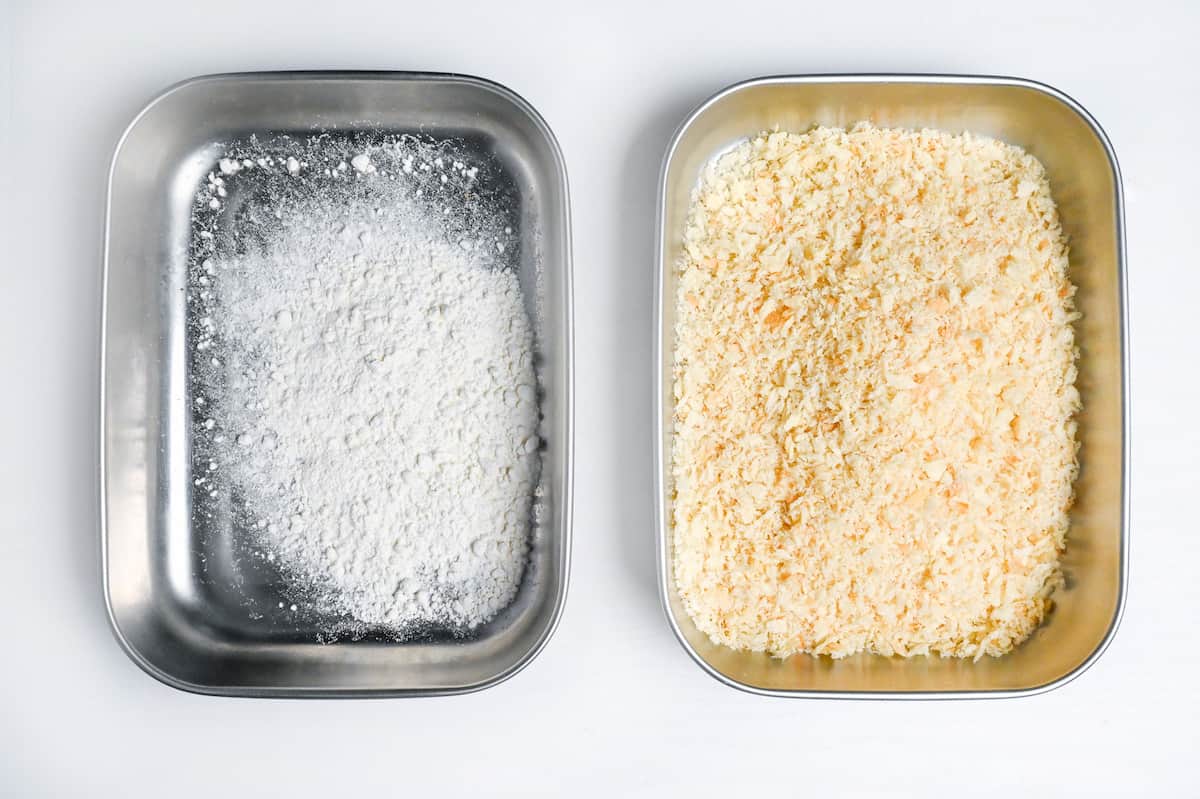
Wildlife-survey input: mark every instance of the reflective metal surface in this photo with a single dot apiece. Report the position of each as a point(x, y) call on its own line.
point(175, 593)
point(1086, 184)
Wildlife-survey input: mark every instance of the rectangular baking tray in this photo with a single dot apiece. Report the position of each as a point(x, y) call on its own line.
point(183, 605)
point(1086, 184)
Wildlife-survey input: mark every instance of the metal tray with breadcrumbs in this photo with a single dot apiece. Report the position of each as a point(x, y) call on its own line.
point(1087, 186)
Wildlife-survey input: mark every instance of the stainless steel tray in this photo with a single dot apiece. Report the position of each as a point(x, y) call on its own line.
point(180, 600)
point(1087, 186)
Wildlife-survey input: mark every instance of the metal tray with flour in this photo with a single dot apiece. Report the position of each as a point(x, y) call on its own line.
point(183, 603)
point(1087, 187)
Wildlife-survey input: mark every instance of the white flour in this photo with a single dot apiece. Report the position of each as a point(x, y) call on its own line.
point(373, 402)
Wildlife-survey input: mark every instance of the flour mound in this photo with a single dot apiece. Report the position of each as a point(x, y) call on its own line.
point(373, 400)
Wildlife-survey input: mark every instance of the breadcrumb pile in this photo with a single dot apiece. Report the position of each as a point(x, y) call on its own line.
point(874, 448)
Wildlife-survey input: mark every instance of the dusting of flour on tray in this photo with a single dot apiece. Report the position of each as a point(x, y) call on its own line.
point(368, 368)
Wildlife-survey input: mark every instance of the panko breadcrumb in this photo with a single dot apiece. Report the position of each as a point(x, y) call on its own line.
point(874, 448)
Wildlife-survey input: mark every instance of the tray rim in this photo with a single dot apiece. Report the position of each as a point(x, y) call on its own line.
point(568, 343)
point(659, 379)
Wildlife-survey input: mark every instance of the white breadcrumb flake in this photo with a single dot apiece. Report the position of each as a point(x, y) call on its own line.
point(874, 445)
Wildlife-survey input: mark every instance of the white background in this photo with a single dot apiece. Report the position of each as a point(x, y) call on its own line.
point(613, 706)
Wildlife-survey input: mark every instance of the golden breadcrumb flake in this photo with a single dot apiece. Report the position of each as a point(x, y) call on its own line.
point(874, 448)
